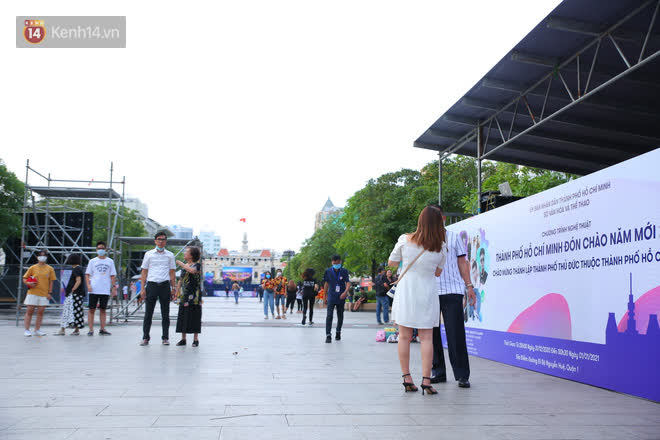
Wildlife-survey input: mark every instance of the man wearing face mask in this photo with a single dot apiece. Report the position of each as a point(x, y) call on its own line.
point(268, 286)
point(336, 285)
point(100, 277)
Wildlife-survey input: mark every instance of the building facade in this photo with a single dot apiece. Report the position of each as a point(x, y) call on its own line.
point(251, 265)
point(211, 242)
point(328, 211)
point(181, 232)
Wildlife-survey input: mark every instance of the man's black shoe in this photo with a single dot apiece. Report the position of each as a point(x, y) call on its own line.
point(463, 383)
point(328, 339)
point(439, 379)
point(337, 336)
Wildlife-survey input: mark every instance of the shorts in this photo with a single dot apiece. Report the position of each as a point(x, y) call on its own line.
point(98, 300)
point(279, 298)
point(36, 300)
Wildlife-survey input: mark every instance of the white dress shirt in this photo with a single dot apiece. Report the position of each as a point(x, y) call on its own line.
point(159, 265)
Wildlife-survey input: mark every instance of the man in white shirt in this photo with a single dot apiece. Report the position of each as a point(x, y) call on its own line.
point(100, 277)
point(451, 287)
point(158, 285)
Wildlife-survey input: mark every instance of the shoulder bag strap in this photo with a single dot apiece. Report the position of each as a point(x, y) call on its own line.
point(409, 266)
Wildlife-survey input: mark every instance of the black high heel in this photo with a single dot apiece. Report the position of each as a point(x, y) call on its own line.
point(427, 388)
point(409, 386)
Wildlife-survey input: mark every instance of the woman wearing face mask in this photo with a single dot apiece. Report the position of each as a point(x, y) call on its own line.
point(189, 319)
point(268, 285)
point(280, 294)
point(39, 280)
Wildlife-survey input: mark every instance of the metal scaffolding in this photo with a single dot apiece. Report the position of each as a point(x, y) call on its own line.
point(44, 224)
point(576, 95)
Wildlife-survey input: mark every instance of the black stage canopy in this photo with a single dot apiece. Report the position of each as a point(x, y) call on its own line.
point(579, 93)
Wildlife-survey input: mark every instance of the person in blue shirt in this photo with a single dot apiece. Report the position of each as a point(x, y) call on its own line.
point(336, 284)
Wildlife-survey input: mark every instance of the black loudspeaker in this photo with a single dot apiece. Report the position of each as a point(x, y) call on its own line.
point(490, 200)
point(135, 263)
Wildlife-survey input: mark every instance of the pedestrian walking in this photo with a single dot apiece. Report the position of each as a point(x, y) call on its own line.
point(100, 277)
point(382, 300)
point(189, 318)
point(291, 290)
point(260, 293)
point(39, 279)
point(309, 290)
point(422, 254)
point(336, 285)
point(280, 294)
point(451, 285)
point(236, 290)
point(268, 286)
point(299, 297)
point(158, 279)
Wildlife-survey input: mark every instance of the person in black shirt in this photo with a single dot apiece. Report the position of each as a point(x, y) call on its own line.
point(382, 300)
point(309, 290)
point(75, 293)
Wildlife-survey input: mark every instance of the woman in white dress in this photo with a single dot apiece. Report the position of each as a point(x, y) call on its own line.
point(416, 301)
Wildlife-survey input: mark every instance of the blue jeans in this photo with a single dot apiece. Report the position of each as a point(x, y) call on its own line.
point(383, 303)
point(236, 293)
point(269, 301)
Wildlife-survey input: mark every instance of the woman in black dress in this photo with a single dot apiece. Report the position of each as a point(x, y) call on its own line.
point(189, 319)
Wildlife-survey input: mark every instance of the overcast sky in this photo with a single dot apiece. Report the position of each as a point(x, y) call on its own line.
point(219, 110)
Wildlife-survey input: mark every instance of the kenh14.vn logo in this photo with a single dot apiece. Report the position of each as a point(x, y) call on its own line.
point(34, 31)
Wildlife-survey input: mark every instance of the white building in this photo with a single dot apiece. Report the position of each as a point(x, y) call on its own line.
point(181, 232)
point(328, 211)
point(260, 261)
point(211, 242)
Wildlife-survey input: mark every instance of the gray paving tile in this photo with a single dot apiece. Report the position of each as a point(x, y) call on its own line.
point(284, 409)
point(356, 420)
point(245, 420)
point(85, 422)
point(473, 420)
point(292, 433)
point(196, 433)
point(37, 434)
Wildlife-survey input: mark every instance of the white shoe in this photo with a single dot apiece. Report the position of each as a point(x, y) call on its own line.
point(27, 333)
point(266, 317)
point(40, 333)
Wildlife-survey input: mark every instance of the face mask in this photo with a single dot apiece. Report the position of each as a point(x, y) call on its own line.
point(160, 249)
point(100, 252)
point(42, 259)
point(268, 276)
point(279, 274)
point(336, 266)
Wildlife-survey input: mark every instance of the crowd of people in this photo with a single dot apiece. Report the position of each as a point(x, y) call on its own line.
point(434, 280)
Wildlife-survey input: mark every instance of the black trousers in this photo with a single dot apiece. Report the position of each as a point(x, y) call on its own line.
point(157, 292)
point(340, 317)
point(451, 308)
point(308, 304)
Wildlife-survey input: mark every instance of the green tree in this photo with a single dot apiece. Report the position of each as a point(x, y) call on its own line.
point(11, 201)
point(317, 251)
point(377, 215)
point(524, 181)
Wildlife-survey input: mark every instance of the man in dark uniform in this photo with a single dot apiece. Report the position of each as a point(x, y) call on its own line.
point(336, 284)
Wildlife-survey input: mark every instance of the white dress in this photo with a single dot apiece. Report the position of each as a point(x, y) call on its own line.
point(416, 302)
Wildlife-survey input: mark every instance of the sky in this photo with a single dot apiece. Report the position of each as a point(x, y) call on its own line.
point(220, 110)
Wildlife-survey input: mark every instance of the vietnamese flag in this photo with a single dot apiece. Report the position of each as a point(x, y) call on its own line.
point(242, 220)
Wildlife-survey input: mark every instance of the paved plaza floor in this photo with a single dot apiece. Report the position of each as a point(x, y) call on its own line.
point(256, 379)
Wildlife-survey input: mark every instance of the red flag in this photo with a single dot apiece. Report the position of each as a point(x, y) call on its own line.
point(242, 220)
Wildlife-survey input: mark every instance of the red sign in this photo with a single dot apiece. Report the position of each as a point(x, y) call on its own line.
point(34, 31)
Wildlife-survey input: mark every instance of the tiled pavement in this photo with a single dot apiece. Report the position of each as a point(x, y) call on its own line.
point(253, 379)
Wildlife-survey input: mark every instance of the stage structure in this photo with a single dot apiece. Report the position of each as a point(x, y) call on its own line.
point(131, 307)
point(576, 95)
point(46, 225)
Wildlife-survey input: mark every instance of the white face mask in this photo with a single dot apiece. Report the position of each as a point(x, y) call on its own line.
point(100, 252)
point(279, 274)
point(42, 259)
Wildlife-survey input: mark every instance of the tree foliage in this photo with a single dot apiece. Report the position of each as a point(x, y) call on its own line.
point(317, 251)
point(11, 202)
